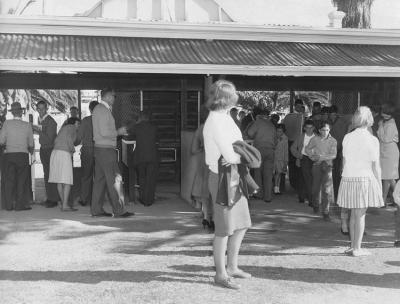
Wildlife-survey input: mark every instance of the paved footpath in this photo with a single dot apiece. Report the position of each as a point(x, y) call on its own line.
point(163, 255)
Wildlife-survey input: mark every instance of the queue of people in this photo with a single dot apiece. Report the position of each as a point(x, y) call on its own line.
point(100, 167)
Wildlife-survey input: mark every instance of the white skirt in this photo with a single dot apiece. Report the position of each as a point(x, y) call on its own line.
point(61, 171)
point(359, 192)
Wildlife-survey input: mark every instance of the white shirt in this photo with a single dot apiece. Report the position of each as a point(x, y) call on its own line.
point(220, 132)
point(43, 118)
point(360, 150)
point(306, 142)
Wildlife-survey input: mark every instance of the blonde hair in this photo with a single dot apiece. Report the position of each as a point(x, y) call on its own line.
point(362, 118)
point(222, 96)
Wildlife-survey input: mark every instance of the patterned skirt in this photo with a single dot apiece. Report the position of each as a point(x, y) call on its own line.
point(359, 192)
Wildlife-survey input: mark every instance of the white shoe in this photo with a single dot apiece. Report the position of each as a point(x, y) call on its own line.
point(276, 190)
point(360, 252)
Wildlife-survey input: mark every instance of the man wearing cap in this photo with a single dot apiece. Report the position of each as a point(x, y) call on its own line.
point(47, 130)
point(17, 137)
point(107, 175)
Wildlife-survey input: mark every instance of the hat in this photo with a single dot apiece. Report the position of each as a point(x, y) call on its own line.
point(16, 107)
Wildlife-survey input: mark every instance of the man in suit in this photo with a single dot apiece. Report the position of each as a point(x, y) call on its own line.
point(304, 162)
point(294, 123)
point(17, 137)
point(145, 157)
point(47, 130)
point(85, 137)
point(107, 174)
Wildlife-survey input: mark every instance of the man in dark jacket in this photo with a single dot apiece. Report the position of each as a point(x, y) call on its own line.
point(47, 130)
point(145, 157)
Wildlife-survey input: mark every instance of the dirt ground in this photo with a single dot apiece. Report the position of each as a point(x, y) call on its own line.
point(163, 255)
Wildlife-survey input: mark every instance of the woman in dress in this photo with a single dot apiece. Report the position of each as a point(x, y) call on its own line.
point(231, 223)
point(388, 138)
point(200, 191)
point(360, 186)
point(61, 170)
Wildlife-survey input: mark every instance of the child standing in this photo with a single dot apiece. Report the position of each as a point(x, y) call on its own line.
point(281, 156)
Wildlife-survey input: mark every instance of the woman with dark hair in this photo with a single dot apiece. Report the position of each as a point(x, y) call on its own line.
point(231, 222)
point(61, 169)
point(389, 152)
point(360, 186)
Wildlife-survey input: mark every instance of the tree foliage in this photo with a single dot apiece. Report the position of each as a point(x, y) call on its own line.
point(279, 101)
point(358, 13)
point(61, 100)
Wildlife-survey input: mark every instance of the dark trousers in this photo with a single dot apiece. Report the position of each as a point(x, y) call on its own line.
point(106, 176)
point(307, 178)
point(322, 186)
point(337, 173)
point(263, 175)
point(51, 188)
point(16, 179)
point(147, 179)
point(293, 171)
point(87, 165)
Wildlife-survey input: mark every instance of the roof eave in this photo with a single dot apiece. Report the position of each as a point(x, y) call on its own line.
point(117, 67)
point(224, 31)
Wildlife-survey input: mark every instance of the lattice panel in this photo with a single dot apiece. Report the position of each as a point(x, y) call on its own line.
point(345, 100)
point(126, 107)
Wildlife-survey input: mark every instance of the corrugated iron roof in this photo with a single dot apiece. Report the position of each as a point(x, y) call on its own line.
point(193, 51)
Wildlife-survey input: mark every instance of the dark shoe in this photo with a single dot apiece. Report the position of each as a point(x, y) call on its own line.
point(50, 204)
point(104, 214)
point(126, 214)
point(267, 201)
point(397, 244)
point(344, 232)
point(315, 209)
point(212, 225)
point(226, 282)
point(205, 223)
point(68, 209)
point(24, 208)
point(82, 203)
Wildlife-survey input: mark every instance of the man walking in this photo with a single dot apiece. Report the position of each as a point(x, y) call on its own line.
point(145, 157)
point(47, 130)
point(322, 150)
point(294, 124)
point(17, 137)
point(264, 134)
point(85, 137)
point(106, 173)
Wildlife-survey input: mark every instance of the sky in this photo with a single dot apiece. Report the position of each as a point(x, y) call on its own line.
point(313, 13)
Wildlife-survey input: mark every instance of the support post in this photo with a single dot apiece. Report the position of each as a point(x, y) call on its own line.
point(291, 100)
point(79, 104)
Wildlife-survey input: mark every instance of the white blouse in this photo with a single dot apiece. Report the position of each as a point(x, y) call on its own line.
point(220, 132)
point(360, 150)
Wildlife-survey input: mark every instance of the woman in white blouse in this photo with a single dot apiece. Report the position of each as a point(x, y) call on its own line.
point(360, 186)
point(231, 223)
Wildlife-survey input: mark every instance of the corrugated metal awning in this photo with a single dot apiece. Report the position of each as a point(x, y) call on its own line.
point(194, 56)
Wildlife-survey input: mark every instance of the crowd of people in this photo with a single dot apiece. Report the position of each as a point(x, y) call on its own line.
point(99, 158)
point(329, 159)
